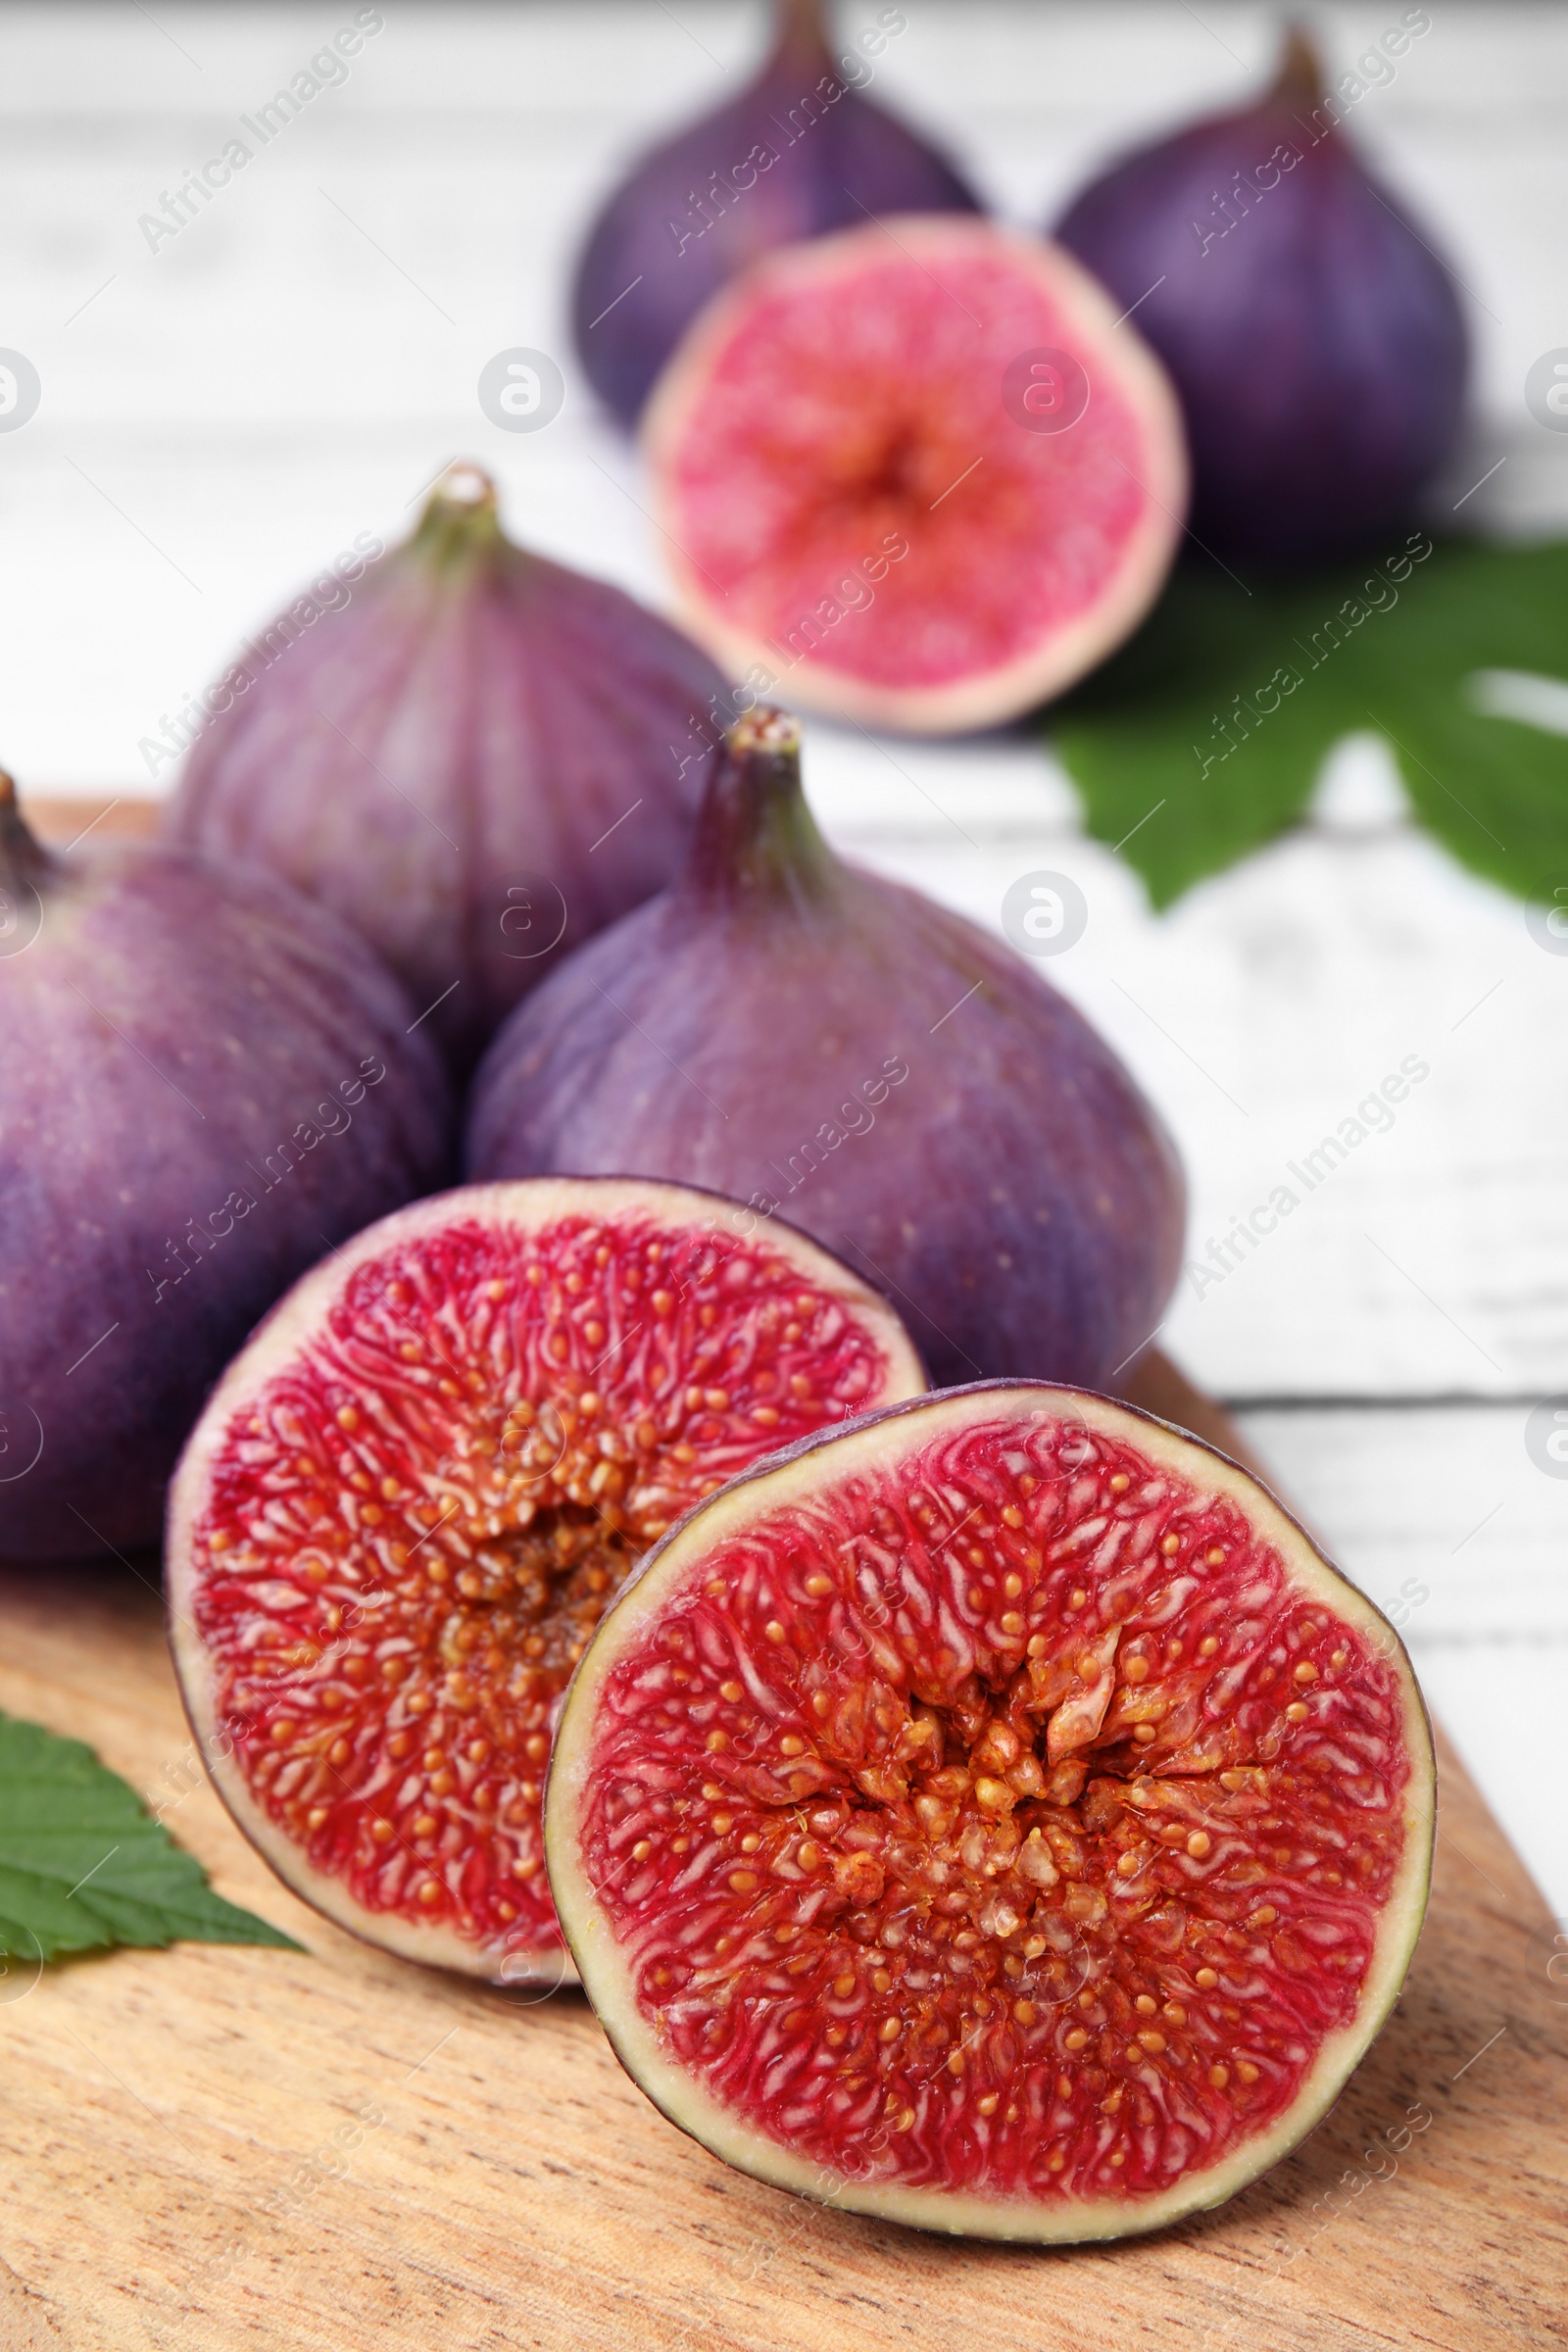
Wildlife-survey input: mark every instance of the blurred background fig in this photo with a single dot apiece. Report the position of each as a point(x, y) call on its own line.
point(801, 151)
point(836, 1050)
point(1313, 334)
point(478, 758)
point(206, 1082)
point(854, 495)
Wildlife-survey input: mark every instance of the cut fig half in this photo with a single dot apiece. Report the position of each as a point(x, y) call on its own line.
point(420, 1485)
point(917, 475)
point(996, 1816)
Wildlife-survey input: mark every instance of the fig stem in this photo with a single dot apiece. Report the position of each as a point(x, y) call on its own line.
point(462, 515)
point(756, 838)
point(803, 30)
point(24, 863)
point(1300, 76)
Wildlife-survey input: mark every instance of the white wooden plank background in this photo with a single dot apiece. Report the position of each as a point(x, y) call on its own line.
point(218, 418)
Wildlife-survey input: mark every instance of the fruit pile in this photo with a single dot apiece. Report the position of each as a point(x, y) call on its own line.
point(984, 1808)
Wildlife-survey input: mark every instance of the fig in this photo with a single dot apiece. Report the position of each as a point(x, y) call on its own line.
point(1310, 327)
point(924, 473)
point(994, 1815)
point(420, 1485)
point(469, 758)
point(801, 151)
point(837, 1052)
point(205, 1081)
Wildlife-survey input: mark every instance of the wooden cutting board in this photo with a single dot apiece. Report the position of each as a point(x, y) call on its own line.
point(212, 2148)
point(218, 2148)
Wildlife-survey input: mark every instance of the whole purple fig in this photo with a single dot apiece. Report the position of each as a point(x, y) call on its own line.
point(801, 151)
point(831, 1049)
point(477, 757)
point(205, 1082)
point(1314, 337)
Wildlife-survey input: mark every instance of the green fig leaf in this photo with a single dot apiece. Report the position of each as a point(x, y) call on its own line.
point(1201, 740)
point(83, 1865)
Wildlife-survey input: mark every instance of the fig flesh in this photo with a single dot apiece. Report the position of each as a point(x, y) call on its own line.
point(801, 151)
point(1315, 336)
point(469, 759)
point(994, 1816)
point(205, 1081)
point(921, 469)
point(838, 1051)
point(420, 1485)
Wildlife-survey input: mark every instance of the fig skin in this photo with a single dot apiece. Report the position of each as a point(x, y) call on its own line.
point(669, 237)
point(1317, 345)
point(471, 761)
point(170, 1033)
point(834, 1049)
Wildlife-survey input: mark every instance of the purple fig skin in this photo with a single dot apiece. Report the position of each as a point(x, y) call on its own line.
point(672, 235)
point(478, 760)
point(190, 1114)
point(829, 1047)
point(1317, 345)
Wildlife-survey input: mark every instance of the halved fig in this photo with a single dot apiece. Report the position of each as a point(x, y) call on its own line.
point(996, 1816)
point(420, 1485)
point(918, 469)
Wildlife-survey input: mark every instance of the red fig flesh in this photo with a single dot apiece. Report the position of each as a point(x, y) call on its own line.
point(416, 1491)
point(1315, 336)
point(996, 1816)
point(921, 469)
point(799, 152)
point(205, 1081)
point(469, 760)
point(841, 1052)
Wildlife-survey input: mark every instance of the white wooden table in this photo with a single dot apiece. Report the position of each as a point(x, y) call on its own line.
point(219, 416)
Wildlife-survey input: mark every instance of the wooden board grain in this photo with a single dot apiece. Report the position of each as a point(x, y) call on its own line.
point(215, 2150)
point(63, 820)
